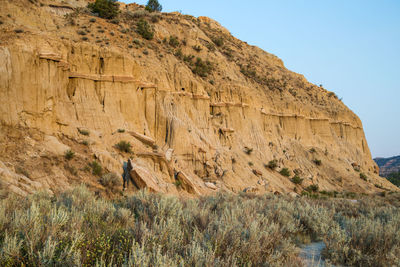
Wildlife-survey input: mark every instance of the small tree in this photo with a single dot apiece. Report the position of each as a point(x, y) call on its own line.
point(153, 5)
point(106, 9)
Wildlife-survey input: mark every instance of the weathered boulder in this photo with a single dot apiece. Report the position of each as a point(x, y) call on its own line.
point(53, 145)
point(17, 183)
point(145, 179)
point(187, 183)
point(211, 185)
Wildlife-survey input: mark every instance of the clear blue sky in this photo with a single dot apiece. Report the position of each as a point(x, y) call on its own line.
point(352, 47)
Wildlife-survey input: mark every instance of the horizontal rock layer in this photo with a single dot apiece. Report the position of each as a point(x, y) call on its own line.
point(196, 134)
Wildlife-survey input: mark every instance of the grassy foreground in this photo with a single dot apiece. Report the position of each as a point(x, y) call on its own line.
point(77, 229)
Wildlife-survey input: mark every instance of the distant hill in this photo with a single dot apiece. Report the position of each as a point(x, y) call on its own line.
point(388, 165)
point(394, 178)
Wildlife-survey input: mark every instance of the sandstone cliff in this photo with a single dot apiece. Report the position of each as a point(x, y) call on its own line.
point(203, 110)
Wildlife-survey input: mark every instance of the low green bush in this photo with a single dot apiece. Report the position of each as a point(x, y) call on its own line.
point(202, 68)
point(179, 53)
point(272, 164)
point(248, 150)
point(110, 180)
point(107, 9)
point(124, 146)
point(317, 162)
point(145, 29)
point(173, 41)
point(81, 32)
point(218, 41)
point(210, 47)
point(69, 154)
point(312, 188)
point(197, 48)
point(96, 167)
point(297, 180)
point(285, 172)
point(363, 176)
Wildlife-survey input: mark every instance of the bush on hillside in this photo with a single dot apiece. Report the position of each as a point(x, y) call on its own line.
point(218, 41)
point(96, 168)
point(110, 180)
point(124, 146)
point(202, 68)
point(297, 180)
point(363, 176)
point(106, 9)
point(69, 154)
point(312, 188)
point(145, 29)
point(173, 41)
point(272, 164)
point(285, 172)
point(317, 162)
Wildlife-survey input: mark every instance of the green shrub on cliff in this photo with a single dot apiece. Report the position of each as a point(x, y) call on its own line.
point(145, 29)
point(285, 172)
point(106, 9)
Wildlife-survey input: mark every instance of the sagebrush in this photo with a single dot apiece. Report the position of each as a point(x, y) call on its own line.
point(76, 228)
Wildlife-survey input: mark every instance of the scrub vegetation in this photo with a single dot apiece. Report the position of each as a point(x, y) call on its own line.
point(77, 228)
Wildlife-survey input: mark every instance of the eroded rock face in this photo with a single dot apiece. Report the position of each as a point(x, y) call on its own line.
point(221, 129)
point(17, 183)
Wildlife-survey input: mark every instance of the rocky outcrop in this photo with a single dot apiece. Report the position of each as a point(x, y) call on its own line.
point(17, 183)
point(182, 126)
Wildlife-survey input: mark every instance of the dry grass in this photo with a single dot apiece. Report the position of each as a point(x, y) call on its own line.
point(76, 228)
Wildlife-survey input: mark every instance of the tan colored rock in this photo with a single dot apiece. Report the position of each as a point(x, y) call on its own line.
point(55, 83)
point(187, 183)
point(53, 145)
point(211, 186)
point(145, 139)
point(17, 183)
point(145, 180)
point(257, 172)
